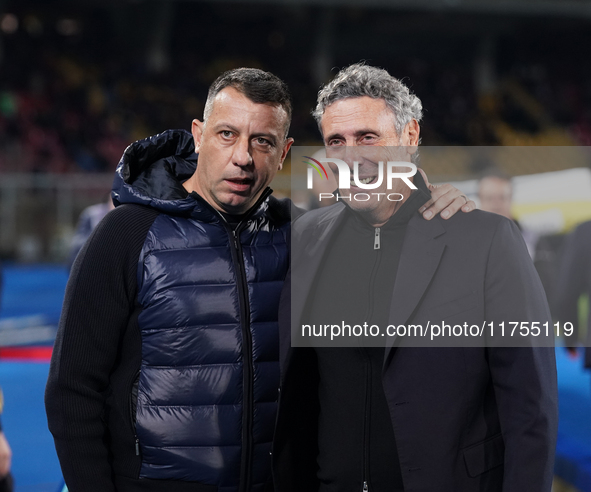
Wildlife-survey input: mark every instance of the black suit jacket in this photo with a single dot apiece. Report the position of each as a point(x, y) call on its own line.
point(465, 419)
point(574, 279)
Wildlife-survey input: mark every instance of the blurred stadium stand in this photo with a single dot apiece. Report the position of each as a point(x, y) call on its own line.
point(81, 80)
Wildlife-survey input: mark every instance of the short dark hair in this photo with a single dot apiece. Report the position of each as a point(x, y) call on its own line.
point(257, 85)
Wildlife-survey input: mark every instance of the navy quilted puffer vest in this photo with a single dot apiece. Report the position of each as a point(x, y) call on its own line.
point(207, 387)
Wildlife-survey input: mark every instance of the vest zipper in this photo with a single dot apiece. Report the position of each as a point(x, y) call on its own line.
point(248, 365)
point(376, 239)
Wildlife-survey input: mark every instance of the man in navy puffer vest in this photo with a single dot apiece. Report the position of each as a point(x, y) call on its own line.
point(165, 371)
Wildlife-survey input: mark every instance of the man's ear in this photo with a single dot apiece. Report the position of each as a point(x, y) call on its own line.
point(197, 131)
point(287, 145)
point(411, 136)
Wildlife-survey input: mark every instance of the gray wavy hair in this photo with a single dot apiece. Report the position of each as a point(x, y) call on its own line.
point(359, 80)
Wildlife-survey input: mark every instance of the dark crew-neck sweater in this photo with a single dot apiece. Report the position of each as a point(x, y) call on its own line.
point(355, 435)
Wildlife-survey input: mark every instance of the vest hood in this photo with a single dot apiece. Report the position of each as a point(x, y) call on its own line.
point(151, 172)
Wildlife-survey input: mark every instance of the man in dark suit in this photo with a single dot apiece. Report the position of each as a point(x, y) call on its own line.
point(401, 417)
point(574, 280)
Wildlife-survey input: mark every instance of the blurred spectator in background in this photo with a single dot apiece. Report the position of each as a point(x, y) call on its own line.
point(89, 219)
point(6, 484)
point(574, 280)
point(495, 192)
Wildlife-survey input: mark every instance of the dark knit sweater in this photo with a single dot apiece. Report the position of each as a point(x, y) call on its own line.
point(357, 446)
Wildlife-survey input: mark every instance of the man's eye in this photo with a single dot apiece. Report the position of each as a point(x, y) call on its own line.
point(262, 141)
point(334, 143)
point(226, 133)
point(368, 138)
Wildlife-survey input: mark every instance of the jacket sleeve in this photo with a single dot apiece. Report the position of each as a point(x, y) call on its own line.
point(524, 377)
point(99, 300)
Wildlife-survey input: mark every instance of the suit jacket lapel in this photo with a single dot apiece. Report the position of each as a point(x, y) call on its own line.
point(419, 259)
point(308, 250)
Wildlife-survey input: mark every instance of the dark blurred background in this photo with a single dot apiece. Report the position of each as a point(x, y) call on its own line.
point(80, 80)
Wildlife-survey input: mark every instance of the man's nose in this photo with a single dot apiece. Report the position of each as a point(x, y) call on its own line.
point(351, 153)
point(242, 153)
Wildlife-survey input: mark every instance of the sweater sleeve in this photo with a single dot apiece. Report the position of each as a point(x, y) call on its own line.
point(100, 297)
